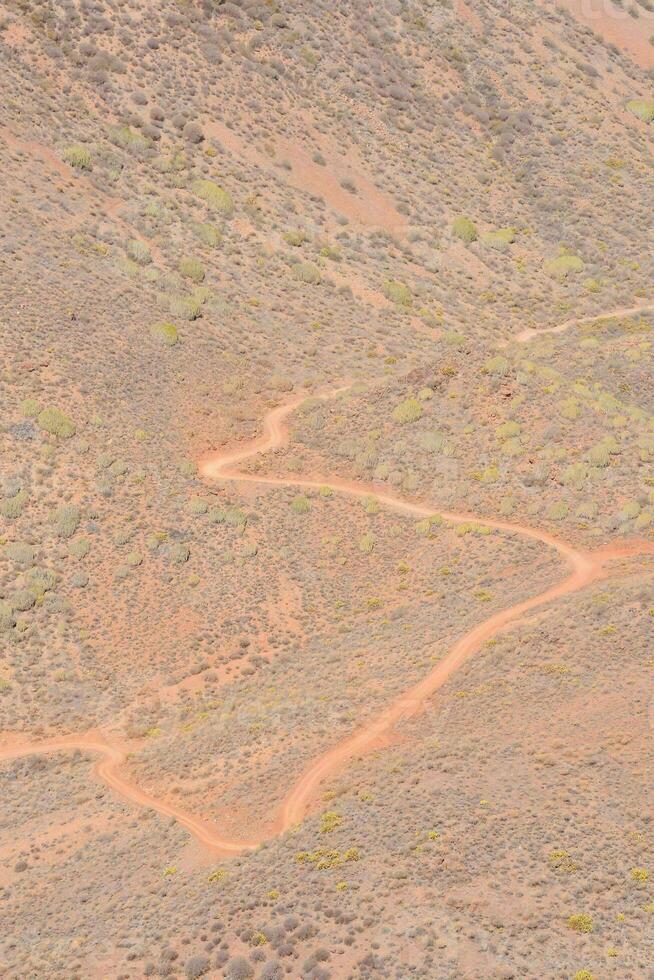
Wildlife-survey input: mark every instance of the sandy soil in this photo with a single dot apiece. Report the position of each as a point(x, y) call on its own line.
point(586, 568)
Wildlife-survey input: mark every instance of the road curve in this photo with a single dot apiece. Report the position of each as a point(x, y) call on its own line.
point(107, 770)
point(531, 334)
point(222, 465)
point(585, 568)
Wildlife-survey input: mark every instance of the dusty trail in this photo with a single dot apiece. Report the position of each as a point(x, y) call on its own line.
point(112, 756)
point(585, 568)
point(531, 334)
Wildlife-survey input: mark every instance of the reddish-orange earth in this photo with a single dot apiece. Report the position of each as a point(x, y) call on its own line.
point(584, 569)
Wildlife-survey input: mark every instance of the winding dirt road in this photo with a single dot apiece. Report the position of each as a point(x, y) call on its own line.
point(531, 334)
point(584, 569)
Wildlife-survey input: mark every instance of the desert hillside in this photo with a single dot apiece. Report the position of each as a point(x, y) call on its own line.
point(327, 489)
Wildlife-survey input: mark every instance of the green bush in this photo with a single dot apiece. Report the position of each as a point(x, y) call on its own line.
point(12, 507)
point(7, 618)
point(398, 293)
point(558, 510)
point(295, 238)
point(192, 269)
point(306, 272)
point(179, 553)
point(581, 922)
point(129, 139)
point(366, 543)
point(426, 526)
point(598, 455)
point(23, 599)
point(215, 196)
point(643, 108)
point(500, 239)
point(139, 252)
point(78, 157)
point(236, 517)
point(208, 234)
point(41, 580)
point(301, 505)
point(22, 554)
point(465, 230)
point(432, 441)
point(563, 266)
point(508, 429)
point(409, 410)
point(198, 506)
point(498, 366)
point(575, 475)
point(29, 408)
point(165, 332)
point(79, 548)
point(54, 421)
point(66, 520)
point(186, 307)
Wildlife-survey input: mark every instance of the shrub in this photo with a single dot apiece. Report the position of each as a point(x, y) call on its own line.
point(79, 548)
point(329, 821)
point(238, 968)
point(208, 234)
point(273, 969)
point(432, 441)
point(29, 408)
point(214, 196)
point(179, 553)
point(301, 505)
point(575, 475)
point(192, 269)
point(295, 238)
point(139, 252)
point(22, 554)
point(497, 365)
point(643, 108)
point(78, 157)
point(561, 861)
point(186, 307)
point(236, 517)
point(23, 600)
point(465, 230)
point(66, 520)
point(366, 543)
point(12, 508)
point(54, 421)
point(129, 139)
point(197, 966)
point(508, 429)
point(41, 580)
point(398, 293)
point(598, 455)
point(306, 272)
point(580, 922)
point(562, 266)
point(640, 875)
point(166, 333)
point(193, 132)
point(7, 618)
point(428, 523)
point(409, 410)
point(500, 239)
point(197, 505)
